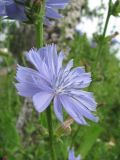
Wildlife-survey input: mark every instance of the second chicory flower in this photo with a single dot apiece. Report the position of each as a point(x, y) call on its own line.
point(13, 10)
point(21, 9)
point(71, 155)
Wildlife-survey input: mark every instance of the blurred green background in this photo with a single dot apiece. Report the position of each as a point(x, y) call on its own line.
point(23, 133)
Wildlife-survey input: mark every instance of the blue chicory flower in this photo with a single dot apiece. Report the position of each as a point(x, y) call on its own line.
point(71, 155)
point(51, 9)
point(50, 80)
point(17, 10)
point(12, 10)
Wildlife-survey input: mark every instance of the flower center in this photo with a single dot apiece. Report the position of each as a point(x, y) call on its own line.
point(59, 90)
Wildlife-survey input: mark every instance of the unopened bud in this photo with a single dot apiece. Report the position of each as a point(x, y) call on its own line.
point(65, 128)
point(38, 2)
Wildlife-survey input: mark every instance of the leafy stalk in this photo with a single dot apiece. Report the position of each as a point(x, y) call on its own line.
point(39, 40)
point(107, 19)
point(39, 26)
point(101, 40)
point(100, 48)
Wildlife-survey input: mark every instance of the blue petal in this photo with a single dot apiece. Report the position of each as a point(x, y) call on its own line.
point(57, 4)
point(29, 75)
point(58, 109)
point(51, 13)
point(69, 66)
point(71, 109)
point(76, 109)
point(60, 61)
point(2, 9)
point(15, 11)
point(25, 74)
point(34, 57)
point(78, 70)
point(79, 81)
point(42, 100)
point(78, 158)
point(50, 58)
point(71, 155)
point(27, 89)
point(86, 98)
point(85, 79)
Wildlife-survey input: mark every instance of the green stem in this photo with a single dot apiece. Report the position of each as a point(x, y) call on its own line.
point(39, 26)
point(101, 41)
point(74, 136)
point(39, 40)
point(50, 129)
point(39, 35)
point(107, 19)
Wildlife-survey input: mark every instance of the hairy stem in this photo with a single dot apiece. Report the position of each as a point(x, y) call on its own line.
point(39, 40)
point(39, 26)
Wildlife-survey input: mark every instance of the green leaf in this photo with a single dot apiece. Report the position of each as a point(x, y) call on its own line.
point(90, 137)
point(116, 8)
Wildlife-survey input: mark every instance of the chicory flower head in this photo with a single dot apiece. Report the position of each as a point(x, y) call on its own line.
point(16, 9)
point(71, 155)
point(13, 10)
point(51, 9)
point(50, 80)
